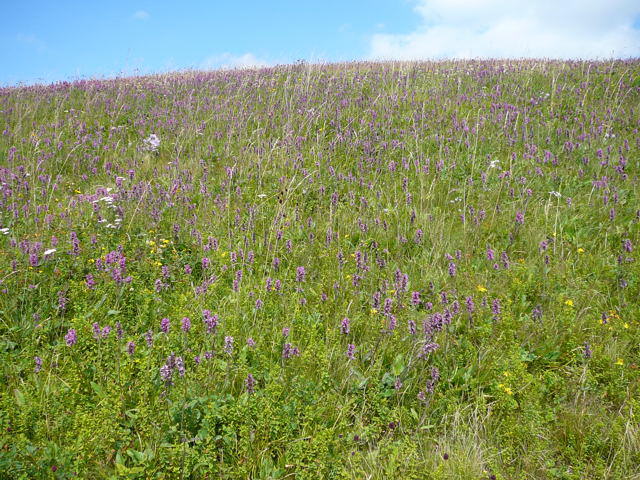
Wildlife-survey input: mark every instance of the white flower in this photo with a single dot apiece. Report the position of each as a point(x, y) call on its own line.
point(555, 194)
point(51, 251)
point(494, 163)
point(4, 231)
point(152, 142)
point(262, 195)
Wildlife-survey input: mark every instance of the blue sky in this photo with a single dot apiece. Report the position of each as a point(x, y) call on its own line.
point(47, 41)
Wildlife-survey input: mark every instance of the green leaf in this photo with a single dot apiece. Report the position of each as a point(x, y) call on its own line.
point(19, 397)
point(398, 365)
point(98, 389)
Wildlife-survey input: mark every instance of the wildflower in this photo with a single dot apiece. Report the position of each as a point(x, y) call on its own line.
point(289, 351)
point(186, 324)
point(228, 345)
point(151, 143)
point(285, 332)
point(351, 351)
point(180, 366)
point(520, 218)
point(251, 343)
point(300, 274)
point(470, 305)
point(495, 308)
point(452, 269)
point(131, 348)
point(48, 252)
point(250, 383)
point(536, 313)
point(412, 327)
point(428, 348)
point(568, 303)
point(165, 373)
point(415, 298)
point(480, 288)
point(71, 337)
point(149, 338)
point(210, 321)
point(620, 361)
point(587, 350)
point(38, 362)
point(344, 326)
point(164, 325)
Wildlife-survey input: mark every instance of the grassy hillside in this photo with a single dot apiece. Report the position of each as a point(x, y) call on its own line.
point(368, 270)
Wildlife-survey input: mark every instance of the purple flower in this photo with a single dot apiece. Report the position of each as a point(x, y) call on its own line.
point(180, 366)
point(250, 383)
point(96, 330)
point(38, 362)
point(344, 326)
point(149, 338)
point(131, 348)
point(470, 305)
point(536, 313)
point(89, 281)
point(415, 299)
point(289, 351)
point(164, 325)
point(452, 269)
point(587, 350)
point(186, 324)
point(285, 332)
point(351, 351)
point(166, 373)
point(187, 269)
point(495, 308)
point(520, 218)
point(428, 348)
point(412, 327)
point(251, 343)
point(300, 274)
point(228, 345)
point(71, 337)
point(119, 330)
point(105, 331)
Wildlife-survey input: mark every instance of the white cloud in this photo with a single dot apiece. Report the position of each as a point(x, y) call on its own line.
point(228, 61)
point(516, 28)
point(141, 15)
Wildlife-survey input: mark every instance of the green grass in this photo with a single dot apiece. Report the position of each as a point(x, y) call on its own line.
point(337, 169)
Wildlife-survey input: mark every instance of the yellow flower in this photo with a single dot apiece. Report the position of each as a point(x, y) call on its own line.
point(508, 391)
point(581, 250)
point(568, 303)
point(626, 325)
point(620, 362)
point(480, 288)
point(374, 311)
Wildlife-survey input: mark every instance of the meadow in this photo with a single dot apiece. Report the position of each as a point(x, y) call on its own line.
point(385, 270)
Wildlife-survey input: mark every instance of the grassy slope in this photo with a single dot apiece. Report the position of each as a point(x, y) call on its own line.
point(310, 164)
